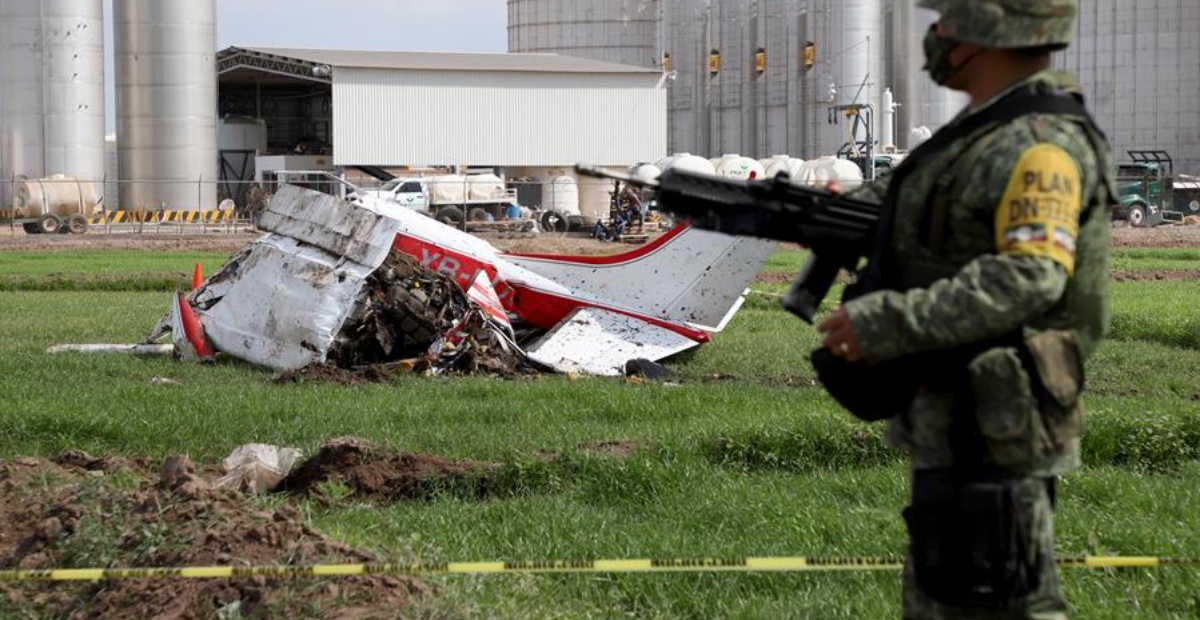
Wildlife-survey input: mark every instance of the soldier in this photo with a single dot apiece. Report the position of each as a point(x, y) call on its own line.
point(991, 279)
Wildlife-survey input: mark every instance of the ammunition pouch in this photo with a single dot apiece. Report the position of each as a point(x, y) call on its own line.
point(971, 539)
point(1027, 398)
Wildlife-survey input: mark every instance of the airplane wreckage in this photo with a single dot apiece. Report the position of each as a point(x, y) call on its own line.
point(367, 283)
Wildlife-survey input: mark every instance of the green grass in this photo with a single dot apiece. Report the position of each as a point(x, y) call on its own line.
point(740, 456)
point(1155, 259)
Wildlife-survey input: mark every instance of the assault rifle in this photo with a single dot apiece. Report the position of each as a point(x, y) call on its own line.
point(839, 229)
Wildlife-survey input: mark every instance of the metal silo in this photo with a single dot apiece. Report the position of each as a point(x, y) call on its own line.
point(1139, 64)
point(922, 102)
point(166, 103)
point(685, 49)
point(849, 44)
point(52, 89)
point(776, 83)
point(620, 31)
point(730, 107)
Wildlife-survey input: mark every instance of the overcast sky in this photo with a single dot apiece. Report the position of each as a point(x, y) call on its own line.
point(414, 25)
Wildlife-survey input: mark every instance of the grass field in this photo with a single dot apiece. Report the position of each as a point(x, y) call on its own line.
point(739, 454)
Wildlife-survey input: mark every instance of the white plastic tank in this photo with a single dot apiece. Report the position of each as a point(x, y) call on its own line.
point(52, 89)
point(821, 170)
point(560, 194)
point(775, 164)
point(917, 135)
point(739, 167)
point(686, 161)
point(645, 172)
point(166, 83)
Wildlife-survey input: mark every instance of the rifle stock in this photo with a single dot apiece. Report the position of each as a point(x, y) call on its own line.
point(838, 228)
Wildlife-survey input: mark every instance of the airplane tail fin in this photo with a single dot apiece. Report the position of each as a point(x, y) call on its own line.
point(687, 275)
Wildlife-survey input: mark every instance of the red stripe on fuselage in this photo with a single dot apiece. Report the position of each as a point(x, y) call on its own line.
point(537, 307)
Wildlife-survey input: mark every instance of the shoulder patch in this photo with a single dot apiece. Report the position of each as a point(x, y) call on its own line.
point(1039, 213)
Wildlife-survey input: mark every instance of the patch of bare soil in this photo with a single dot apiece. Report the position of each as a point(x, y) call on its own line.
point(1177, 236)
point(351, 466)
point(19, 241)
point(80, 511)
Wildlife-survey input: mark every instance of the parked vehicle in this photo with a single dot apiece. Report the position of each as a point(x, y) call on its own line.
point(56, 204)
point(452, 198)
point(1151, 193)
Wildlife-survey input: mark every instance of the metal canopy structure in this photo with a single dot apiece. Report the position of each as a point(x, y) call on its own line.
point(240, 65)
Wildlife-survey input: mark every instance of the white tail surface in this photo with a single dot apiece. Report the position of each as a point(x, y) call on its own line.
point(687, 275)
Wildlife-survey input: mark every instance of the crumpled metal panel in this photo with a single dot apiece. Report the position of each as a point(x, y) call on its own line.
point(281, 302)
point(599, 342)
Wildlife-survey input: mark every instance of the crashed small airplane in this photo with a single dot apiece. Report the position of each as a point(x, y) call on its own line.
point(288, 298)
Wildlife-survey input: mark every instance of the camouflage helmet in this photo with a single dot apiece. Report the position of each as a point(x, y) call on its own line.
point(1007, 24)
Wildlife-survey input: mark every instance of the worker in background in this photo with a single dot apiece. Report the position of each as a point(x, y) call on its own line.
point(992, 272)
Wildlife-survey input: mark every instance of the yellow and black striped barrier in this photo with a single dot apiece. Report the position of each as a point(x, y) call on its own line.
point(215, 216)
point(642, 565)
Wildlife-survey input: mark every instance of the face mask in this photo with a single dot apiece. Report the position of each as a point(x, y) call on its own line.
point(937, 56)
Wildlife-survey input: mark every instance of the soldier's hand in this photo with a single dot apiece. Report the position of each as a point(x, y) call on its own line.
point(839, 336)
point(834, 186)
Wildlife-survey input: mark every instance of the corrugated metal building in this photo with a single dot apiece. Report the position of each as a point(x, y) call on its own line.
point(1139, 64)
point(424, 108)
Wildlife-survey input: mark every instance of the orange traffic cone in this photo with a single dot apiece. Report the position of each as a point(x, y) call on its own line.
point(197, 277)
point(192, 329)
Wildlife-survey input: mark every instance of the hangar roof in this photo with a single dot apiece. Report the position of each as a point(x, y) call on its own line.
point(427, 61)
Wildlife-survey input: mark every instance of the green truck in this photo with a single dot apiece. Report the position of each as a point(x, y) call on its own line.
point(1151, 193)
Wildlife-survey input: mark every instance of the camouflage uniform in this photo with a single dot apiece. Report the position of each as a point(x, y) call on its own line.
point(1022, 248)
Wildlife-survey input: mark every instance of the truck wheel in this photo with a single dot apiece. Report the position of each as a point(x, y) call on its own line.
point(553, 222)
point(1194, 206)
point(1137, 216)
point(32, 228)
point(48, 223)
point(478, 214)
point(450, 216)
point(77, 224)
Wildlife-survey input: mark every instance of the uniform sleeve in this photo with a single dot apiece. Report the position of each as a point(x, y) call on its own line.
point(1036, 223)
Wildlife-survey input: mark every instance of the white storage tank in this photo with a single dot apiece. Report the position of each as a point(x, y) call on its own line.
point(52, 90)
point(166, 103)
point(819, 171)
point(686, 161)
point(787, 164)
point(735, 166)
point(645, 172)
point(560, 194)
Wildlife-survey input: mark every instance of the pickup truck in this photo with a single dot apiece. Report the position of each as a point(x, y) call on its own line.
point(451, 198)
point(1151, 193)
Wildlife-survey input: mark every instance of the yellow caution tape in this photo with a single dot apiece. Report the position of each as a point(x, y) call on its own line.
point(645, 565)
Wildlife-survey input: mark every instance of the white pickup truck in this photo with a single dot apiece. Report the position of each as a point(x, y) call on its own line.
point(451, 198)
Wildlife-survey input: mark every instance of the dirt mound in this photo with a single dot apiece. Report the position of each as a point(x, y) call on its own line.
point(79, 511)
point(352, 468)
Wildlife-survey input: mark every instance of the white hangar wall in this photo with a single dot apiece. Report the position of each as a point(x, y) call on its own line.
point(395, 117)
